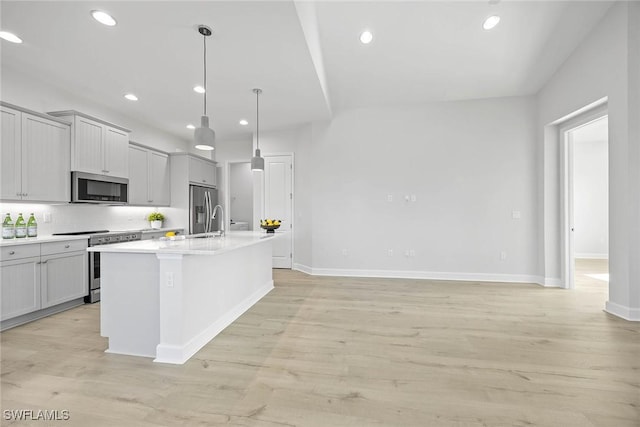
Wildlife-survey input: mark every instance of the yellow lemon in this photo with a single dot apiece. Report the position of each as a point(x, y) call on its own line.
point(169, 234)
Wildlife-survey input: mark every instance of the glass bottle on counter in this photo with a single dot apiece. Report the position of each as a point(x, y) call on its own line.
point(32, 226)
point(8, 229)
point(21, 227)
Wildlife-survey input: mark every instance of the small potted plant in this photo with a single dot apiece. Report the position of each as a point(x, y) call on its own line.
point(155, 219)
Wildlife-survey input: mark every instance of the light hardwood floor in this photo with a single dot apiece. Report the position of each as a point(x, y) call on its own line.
point(326, 351)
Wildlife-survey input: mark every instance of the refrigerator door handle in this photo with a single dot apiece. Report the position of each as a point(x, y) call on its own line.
point(206, 211)
point(209, 211)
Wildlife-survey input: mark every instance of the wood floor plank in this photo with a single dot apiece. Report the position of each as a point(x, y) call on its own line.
point(333, 351)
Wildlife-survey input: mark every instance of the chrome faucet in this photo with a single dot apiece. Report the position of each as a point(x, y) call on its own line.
point(213, 216)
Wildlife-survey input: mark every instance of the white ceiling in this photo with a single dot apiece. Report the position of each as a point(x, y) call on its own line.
point(422, 51)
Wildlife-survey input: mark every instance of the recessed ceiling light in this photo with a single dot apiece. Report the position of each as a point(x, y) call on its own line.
point(131, 97)
point(198, 89)
point(491, 22)
point(190, 126)
point(103, 18)
point(243, 122)
point(10, 37)
point(366, 37)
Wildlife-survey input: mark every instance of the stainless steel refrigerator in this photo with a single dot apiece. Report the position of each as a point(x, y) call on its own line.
point(202, 200)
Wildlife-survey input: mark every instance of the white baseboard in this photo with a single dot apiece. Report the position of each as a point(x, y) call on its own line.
point(180, 354)
point(303, 268)
point(551, 282)
point(408, 274)
point(627, 313)
point(592, 256)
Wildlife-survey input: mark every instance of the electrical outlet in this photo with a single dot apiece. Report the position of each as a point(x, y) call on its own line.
point(503, 255)
point(389, 197)
point(345, 252)
point(390, 252)
point(46, 217)
point(413, 198)
point(170, 280)
point(407, 253)
point(515, 214)
point(412, 252)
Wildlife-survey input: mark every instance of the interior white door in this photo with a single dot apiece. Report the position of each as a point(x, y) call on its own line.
point(278, 204)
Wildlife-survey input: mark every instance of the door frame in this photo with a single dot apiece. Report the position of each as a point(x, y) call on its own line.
point(259, 196)
point(567, 252)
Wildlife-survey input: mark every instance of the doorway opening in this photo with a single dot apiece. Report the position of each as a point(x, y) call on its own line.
point(586, 202)
point(239, 195)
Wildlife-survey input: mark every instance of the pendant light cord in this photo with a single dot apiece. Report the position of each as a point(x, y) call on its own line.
point(204, 39)
point(257, 121)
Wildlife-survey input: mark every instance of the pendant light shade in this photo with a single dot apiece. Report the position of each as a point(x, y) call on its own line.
point(204, 137)
point(257, 162)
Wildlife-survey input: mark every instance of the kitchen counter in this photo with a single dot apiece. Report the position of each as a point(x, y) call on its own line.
point(41, 239)
point(167, 299)
point(191, 245)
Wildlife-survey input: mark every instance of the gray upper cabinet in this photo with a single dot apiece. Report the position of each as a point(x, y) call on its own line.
point(202, 171)
point(97, 146)
point(35, 156)
point(149, 176)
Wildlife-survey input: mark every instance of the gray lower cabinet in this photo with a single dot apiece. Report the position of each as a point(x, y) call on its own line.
point(61, 280)
point(41, 278)
point(20, 287)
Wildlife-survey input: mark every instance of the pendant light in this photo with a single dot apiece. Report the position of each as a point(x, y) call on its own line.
point(204, 136)
point(257, 162)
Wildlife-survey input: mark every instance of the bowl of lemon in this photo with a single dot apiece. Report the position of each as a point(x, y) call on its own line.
point(271, 225)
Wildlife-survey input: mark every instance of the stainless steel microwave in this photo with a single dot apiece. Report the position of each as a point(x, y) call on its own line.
point(91, 188)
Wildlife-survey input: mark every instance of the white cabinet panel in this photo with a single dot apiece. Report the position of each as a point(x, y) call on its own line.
point(97, 146)
point(10, 155)
point(138, 176)
point(36, 276)
point(88, 146)
point(116, 147)
point(202, 171)
point(159, 179)
point(35, 157)
point(64, 278)
point(149, 177)
point(19, 287)
point(46, 161)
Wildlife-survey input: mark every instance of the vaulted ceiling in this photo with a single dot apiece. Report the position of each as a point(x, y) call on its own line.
point(306, 56)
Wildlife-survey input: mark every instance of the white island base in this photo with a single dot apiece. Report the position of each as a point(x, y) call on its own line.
point(170, 300)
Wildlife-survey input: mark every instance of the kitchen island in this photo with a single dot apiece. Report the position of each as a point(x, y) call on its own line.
point(166, 299)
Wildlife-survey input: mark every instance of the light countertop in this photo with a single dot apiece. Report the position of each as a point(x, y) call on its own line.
point(192, 245)
point(41, 239)
point(50, 238)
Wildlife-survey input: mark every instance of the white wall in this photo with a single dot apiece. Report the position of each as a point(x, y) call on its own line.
point(606, 64)
point(84, 217)
point(591, 198)
point(469, 165)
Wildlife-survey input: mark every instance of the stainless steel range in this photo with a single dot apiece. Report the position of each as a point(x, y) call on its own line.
point(101, 237)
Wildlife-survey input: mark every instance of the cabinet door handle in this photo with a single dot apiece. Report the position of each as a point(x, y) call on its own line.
point(44, 262)
point(12, 253)
point(66, 246)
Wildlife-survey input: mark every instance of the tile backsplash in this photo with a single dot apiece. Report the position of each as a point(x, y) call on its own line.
point(84, 217)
